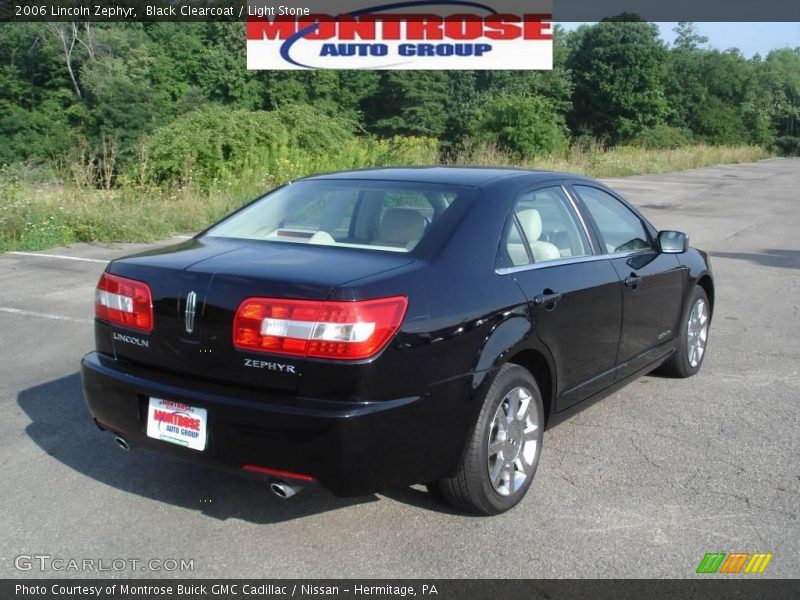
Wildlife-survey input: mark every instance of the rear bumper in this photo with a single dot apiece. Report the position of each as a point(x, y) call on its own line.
point(350, 448)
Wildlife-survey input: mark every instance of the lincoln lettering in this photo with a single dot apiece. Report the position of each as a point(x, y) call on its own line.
point(128, 339)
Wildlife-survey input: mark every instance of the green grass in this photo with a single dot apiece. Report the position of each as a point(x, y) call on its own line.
point(40, 215)
point(622, 160)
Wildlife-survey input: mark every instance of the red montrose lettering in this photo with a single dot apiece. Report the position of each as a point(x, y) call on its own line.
point(404, 27)
point(263, 29)
point(177, 419)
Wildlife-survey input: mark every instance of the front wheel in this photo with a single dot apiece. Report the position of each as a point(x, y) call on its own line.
point(503, 452)
point(691, 345)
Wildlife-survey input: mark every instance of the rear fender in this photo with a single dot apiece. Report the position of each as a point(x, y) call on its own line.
point(511, 337)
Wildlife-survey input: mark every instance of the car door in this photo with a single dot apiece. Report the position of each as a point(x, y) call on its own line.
point(574, 295)
point(652, 282)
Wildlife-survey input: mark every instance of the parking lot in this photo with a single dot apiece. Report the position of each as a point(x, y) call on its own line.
point(642, 484)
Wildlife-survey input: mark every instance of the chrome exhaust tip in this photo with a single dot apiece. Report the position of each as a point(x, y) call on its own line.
point(282, 489)
point(122, 442)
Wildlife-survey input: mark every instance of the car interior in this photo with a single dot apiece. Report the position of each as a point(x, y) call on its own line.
point(544, 229)
point(621, 229)
point(376, 219)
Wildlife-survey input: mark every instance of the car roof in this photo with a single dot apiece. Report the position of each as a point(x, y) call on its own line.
point(465, 176)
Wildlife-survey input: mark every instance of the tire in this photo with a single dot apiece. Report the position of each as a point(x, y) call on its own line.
point(682, 362)
point(471, 488)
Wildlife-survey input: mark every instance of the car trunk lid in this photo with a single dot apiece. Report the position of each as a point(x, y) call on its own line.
point(197, 286)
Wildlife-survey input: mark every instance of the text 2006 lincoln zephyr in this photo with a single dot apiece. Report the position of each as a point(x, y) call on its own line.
point(366, 329)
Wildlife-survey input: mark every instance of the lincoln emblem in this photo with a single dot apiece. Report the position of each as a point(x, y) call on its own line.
point(191, 300)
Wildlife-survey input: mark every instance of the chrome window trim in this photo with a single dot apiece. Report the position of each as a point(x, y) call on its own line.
point(570, 204)
point(589, 237)
point(567, 261)
point(646, 225)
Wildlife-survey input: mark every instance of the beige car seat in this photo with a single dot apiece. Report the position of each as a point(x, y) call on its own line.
point(531, 222)
point(402, 227)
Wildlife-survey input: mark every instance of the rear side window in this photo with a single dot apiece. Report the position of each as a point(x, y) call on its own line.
point(620, 228)
point(378, 215)
point(544, 228)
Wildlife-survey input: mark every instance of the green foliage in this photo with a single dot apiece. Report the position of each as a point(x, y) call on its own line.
point(10, 186)
point(162, 103)
point(401, 150)
point(618, 69)
point(24, 222)
point(522, 126)
point(410, 103)
point(214, 144)
point(686, 36)
point(139, 130)
point(213, 147)
point(122, 99)
point(222, 74)
point(37, 134)
point(35, 216)
point(662, 137)
point(723, 98)
point(788, 145)
point(777, 101)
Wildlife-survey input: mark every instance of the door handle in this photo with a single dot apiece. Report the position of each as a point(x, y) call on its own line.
point(632, 281)
point(548, 299)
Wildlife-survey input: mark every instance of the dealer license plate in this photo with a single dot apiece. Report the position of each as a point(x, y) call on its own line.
point(177, 423)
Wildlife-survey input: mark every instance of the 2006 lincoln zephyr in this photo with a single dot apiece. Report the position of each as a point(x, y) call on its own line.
point(372, 328)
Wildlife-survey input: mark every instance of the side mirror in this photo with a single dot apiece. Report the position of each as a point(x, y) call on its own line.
point(672, 242)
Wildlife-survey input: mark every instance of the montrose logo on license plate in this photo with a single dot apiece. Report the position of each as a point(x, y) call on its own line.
point(177, 423)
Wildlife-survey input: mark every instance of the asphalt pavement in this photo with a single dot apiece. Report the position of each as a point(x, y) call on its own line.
point(641, 484)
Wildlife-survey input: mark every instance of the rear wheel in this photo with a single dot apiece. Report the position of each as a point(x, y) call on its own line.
point(691, 346)
point(503, 451)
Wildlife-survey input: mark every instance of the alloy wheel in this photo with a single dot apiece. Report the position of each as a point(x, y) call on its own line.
point(513, 440)
point(697, 329)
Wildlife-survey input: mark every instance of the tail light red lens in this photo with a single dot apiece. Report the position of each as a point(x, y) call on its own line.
point(341, 330)
point(124, 302)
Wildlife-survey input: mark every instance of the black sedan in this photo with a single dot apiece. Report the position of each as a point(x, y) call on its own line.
point(373, 328)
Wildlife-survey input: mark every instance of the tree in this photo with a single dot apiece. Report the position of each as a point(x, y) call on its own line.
point(718, 116)
point(70, 85)
point(67, 36)
point(410, 103)
point(686, 36)
point(463, 102)
point(781, 78)
point(223, 74)
point(37, 101)
point(617, 67)
point(523, 126)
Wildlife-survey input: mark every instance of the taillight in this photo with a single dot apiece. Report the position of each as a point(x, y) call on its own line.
point(343, 330)
point(124, 302)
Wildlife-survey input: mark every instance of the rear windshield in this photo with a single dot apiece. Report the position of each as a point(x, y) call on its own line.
point(376, 215)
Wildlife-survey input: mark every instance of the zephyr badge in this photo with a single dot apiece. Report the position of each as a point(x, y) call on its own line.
point(191, 301)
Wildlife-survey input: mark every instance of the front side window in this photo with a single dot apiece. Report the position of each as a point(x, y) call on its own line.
point(377, 215)
point(620, 228)
point(544, 228)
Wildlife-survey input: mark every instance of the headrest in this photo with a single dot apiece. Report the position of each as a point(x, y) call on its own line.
point(531, 223)
point(401, 226)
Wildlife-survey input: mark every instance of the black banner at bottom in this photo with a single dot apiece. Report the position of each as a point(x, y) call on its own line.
point(368, 589)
